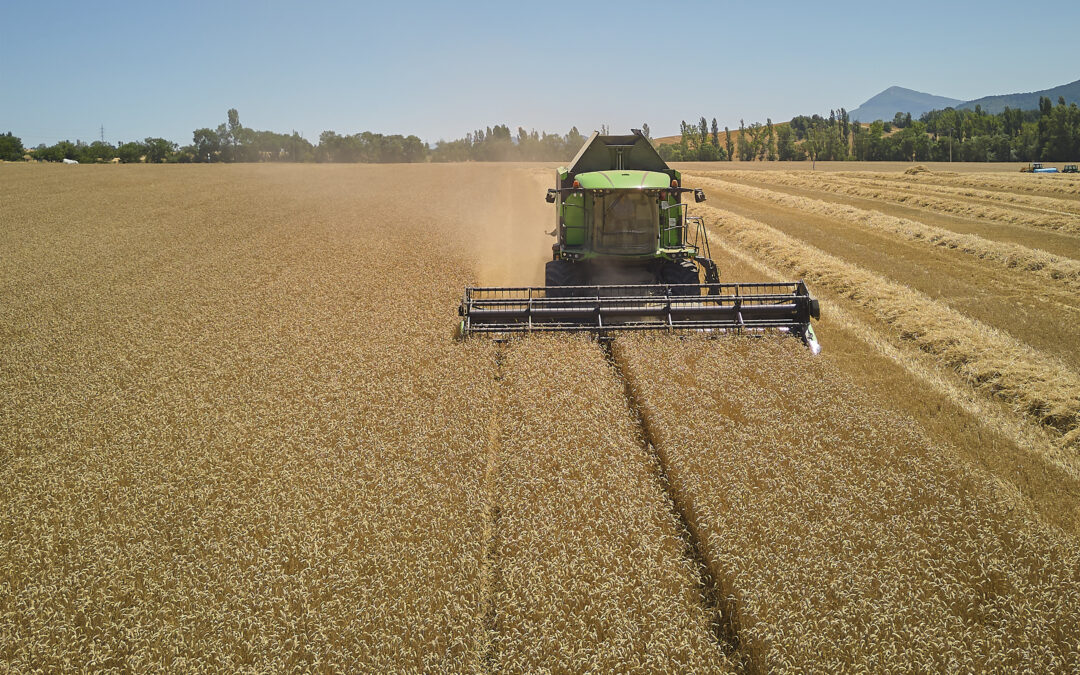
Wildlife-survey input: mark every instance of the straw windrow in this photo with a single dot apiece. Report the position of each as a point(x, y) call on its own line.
point(1004, 254)
point(1039, 386)
point(1049, 221)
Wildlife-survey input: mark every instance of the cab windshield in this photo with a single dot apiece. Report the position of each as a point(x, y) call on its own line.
point(626, 222)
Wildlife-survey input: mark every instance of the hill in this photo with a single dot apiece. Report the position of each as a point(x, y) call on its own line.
point(885, 105)
point(1027, 101)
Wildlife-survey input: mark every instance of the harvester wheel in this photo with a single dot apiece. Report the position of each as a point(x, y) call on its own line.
point(680, 272)
point(559, 273)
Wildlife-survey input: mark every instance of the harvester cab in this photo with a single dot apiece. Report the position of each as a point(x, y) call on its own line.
point(629, 256)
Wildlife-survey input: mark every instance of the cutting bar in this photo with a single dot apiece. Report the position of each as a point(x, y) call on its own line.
point(732, 307)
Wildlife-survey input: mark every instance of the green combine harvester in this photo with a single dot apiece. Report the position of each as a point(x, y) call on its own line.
point(629, 256)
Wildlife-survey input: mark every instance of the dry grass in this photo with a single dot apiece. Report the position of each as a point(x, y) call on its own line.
point(848, 541)
point(1063, 222)
point(1037, 385)
point(593, 571)
point(1007, 255)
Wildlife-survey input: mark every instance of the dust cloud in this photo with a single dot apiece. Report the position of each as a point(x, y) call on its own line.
point(514, 243)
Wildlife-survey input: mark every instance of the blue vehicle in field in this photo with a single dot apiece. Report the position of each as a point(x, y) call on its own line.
point(1037, 167)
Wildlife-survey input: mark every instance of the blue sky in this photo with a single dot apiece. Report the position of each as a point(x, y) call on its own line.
point(441, 69)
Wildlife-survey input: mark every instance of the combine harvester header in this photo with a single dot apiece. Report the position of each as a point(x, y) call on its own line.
point(628, 257)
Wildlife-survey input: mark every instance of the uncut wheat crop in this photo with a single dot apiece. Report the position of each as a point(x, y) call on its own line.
point(238, 434)
point(222, 418)
point(589, 552)
point(846, 540)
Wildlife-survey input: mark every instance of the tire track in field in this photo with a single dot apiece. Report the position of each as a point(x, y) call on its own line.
point(719, 606)
point(849, 535)
point(593, 574)
point(489, 570)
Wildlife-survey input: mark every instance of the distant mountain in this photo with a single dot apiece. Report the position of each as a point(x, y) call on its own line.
point(885, 105)
point(995, 104)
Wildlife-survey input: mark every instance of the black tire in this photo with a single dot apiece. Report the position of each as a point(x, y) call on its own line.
point(680, 272)
point(560, 273)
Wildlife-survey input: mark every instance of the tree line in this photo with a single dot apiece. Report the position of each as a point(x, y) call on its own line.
point(813, 137)
point(231, 141)
point(1051, 133)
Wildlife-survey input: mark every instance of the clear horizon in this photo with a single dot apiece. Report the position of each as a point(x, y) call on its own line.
point(441, 71)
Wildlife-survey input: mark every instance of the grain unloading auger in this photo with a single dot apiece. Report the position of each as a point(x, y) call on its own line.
point(628, 258)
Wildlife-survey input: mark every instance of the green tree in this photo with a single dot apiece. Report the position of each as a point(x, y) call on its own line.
point(785, 144)
point(56, 153)
point(770, 150)
point(234, 126)
point(98, 151)
point(207, 144)
point(574, 139)
point(728, 145)
point(158, 150)
point(645, 129)
point(687, 140)
point(715, 131)
point(670, 152)
point(11, 148)
point(813, 145)
point(130, 153)
point(709, 153)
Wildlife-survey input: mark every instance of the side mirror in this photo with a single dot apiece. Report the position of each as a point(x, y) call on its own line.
point(551, 195)
point(699, 195)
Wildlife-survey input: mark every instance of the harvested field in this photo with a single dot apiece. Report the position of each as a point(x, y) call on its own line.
point(236, 434)
point(1016, 212)
point(1067, 204)
point(1060, 185)
point(1006, 254)
point(1040, 387)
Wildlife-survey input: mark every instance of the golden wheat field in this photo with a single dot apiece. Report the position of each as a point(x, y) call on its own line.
point(237, 433)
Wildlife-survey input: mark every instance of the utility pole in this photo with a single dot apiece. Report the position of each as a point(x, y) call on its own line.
point(102, 133)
